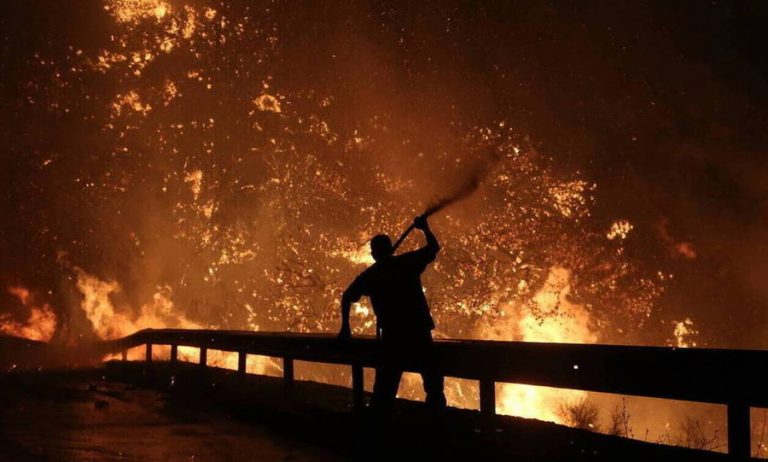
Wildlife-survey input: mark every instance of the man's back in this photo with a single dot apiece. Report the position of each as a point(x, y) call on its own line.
point(394, 287)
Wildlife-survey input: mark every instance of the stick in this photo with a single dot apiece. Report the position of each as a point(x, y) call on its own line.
point(464, 191)
point(402, 238)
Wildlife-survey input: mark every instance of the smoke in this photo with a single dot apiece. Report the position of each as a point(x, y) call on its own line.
point(467, 186)
point(474, 179)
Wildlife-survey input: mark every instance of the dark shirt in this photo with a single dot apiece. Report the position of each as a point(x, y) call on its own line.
point(394, 287)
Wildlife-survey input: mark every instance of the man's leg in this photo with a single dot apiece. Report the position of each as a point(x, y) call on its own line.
point(434, 384)
point(385, 387)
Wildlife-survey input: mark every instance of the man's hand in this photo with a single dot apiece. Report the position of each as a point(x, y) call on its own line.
point(345, 333)
point(420, 222)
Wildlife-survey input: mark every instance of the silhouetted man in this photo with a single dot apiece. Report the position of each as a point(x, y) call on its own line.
point(393, 284)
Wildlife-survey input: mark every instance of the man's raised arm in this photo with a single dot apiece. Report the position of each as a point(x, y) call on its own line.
point(432, 246)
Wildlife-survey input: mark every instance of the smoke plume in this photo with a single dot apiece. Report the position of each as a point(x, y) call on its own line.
point(474, 179)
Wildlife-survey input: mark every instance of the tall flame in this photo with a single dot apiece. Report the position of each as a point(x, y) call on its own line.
point(550, 317)
point(110, 324)
point(159, 313)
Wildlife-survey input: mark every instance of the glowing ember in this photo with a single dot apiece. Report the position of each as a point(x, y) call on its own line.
point(619, 230)
point(136, 10)
point(267, 103)
point(685, 333)
point(130, 101)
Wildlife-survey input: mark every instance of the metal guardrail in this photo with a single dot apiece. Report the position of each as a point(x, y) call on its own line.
point(735, 378)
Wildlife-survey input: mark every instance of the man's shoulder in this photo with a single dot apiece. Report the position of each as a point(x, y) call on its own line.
point(362, 282)
point(403, 257)
point(368, 272)
point(419, 256)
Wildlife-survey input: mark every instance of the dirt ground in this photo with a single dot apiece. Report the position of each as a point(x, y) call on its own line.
point(78, 417)
point(164, 412)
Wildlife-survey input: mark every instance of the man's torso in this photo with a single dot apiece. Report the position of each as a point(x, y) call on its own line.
point(394, 287)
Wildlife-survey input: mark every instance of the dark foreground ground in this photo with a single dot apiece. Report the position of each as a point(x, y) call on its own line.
point(77, 416)
point(127, 411)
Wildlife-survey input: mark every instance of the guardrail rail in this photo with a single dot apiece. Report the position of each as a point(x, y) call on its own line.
point(734, 378)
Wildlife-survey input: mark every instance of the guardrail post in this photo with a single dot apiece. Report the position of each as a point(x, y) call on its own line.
point(174, 354)
point(487, 397)
point(148, 353)
point(203, 357)
point(241, 358)
point(739, 447)
point(358, 387)
point(124, 355)
point(288, 373)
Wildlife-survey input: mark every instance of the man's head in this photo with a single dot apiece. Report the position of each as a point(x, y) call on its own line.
point(381, 247)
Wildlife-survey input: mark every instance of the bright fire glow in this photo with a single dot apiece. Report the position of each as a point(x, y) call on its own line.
point(136, 10)
point(225, 192)
point(159, 313)
point(685, 333)
point(551, 317)
point(40, 323)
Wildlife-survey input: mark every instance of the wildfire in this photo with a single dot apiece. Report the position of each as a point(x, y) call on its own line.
point(619, 230)
point(218, 176)
point(131, 100)
point(109, 323)
point(134, 10)
point(267, 103)
point(358, 255)
point(685, 333)
point(40, 323)
point(551, 317)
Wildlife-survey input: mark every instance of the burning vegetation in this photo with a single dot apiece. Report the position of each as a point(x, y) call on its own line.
point(223, 164)
point(39, 323)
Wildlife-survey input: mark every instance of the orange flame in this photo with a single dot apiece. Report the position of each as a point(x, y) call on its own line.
point(41, 323)
point(111, 324)
point(159, 313)
point(550, 317)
